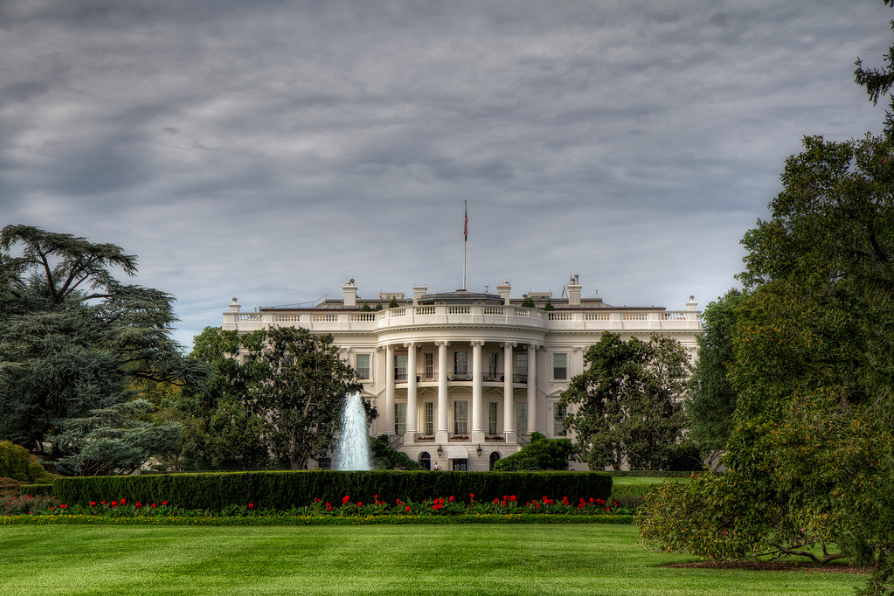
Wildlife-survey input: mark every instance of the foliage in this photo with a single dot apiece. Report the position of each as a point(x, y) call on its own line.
point(389, 458)
point(541, 454)
point(34, 490)
point(15, 463)
point(365, 307)
point(628, 402)
point(27, 505)
point(284, 489)
point(811, 454)
point(393, 303)
point(549, 305)
point(298, 392)
point(877, 81)
point(712, 400)
point(219, 431)
point(79, 351)
point(527, 302)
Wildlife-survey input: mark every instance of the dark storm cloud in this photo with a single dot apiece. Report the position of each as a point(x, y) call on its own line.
point(270, 151)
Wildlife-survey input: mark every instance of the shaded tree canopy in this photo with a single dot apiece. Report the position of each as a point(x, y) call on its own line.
point(628, 402)
point(79, 351)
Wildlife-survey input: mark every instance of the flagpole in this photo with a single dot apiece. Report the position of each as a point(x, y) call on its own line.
point(465, 240)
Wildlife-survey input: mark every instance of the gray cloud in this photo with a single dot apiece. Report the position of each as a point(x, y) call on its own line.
point(270, 151)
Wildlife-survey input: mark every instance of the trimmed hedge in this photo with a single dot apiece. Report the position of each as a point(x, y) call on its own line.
point(283, 490)
point(651, 473)
point(35, 489)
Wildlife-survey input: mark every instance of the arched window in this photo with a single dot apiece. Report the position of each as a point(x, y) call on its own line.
point(494, 458)
point(425, 460)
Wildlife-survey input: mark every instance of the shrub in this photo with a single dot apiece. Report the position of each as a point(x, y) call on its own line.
point(15, 463)
point(541, 454)
point(389, 458)
point(35, 489)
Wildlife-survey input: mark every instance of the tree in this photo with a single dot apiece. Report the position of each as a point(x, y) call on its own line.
point(388, 458)
point(811, 453)
point(541, 454)
point(527, 302)
point(629, 402)
point(79, 350)
point(219, 431)
point(299, 393)
point(712, 400)
point(392, 303)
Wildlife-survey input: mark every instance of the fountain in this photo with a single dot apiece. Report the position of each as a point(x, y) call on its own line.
point(353, 449)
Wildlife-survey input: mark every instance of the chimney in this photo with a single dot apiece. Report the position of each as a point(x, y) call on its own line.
point(418, 292)
point(350, 293)
point(573, 288)
point(503, 290)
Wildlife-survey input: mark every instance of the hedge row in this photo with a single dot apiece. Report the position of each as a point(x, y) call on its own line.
point(650, 473)
point(283, 490)
point(35, 489)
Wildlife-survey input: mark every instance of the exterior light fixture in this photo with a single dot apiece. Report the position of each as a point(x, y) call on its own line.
point(479, 450)
point(440, 450)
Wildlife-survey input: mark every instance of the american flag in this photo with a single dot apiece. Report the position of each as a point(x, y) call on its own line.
point(466, 224)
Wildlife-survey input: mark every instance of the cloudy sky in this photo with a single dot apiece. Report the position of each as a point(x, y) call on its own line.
point(270, 151)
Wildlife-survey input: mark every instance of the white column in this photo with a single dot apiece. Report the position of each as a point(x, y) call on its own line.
point(389, 390)
point(411, 391)
point(477, 434)
point(532, 388)
point(508, 405)
point(442, 434)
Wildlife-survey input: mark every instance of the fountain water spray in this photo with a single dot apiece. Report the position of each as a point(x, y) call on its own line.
point(353, 449)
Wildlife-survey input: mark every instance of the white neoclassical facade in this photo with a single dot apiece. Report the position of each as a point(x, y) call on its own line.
point(462, 378)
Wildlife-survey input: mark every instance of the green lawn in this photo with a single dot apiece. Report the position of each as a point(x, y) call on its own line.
point(437, 560)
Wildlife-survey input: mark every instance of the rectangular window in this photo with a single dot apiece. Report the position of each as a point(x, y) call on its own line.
point(492, 418)
point(460, 418)
point(521, 368)
point(363, 367)
point(492, 365)
point(400, 367)
point(560, 368)
point(521, 418)
point(559, 414)
point(429, 367)
point(428, 418)
point(461, 465)
point(400, 419)
point(461, 363)
point(324, 463)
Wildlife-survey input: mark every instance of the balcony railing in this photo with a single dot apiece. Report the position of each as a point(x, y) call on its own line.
point(491, 315)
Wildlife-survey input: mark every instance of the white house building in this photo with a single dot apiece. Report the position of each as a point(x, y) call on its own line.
point(462, 378)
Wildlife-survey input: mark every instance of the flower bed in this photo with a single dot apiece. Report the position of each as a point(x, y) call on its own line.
point(440, 510)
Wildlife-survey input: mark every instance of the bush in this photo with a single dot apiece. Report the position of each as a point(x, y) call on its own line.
point(541, 454)
point(283, 490)
point(15, 463)
point(389, 458)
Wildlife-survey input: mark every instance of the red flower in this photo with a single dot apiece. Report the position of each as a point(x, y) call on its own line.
point(451, 498)
point(152, 505)
point(123, 501)
point(376, 497)
point(139, 504)
point(93, 503)
point(407, 509)
point(163, 503)
point(114, 504)
point(62, 506)
point(359, 504)
point(103, 503)
point(251, 505)
point(472, 496)
point(512, 498)
point(345, 500)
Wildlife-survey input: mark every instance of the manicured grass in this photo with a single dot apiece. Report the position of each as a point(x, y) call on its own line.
point(437, 560)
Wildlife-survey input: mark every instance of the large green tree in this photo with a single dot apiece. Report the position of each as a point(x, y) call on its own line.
point(80, 352)
point(811, 455)
point(627, 404)
point(219, 430)
point(712, 400)
point(299, 393)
